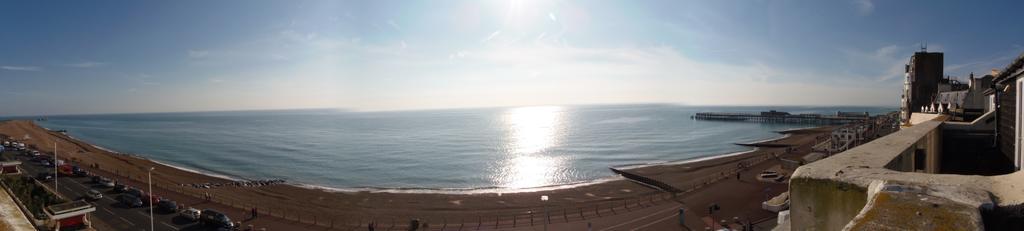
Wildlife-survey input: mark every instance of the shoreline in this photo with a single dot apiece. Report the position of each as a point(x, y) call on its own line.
point(386, 204)
point(196, 171)
point(457, 191)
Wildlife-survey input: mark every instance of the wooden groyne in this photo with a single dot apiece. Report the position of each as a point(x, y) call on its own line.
point(646, 181)
point(778, 117)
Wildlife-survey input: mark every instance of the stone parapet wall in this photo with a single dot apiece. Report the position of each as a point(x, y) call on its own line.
point(830, 193)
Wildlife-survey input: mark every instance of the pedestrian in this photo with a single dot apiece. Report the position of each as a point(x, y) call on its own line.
point(255, 212)
point(737, 175)
point(369, 226)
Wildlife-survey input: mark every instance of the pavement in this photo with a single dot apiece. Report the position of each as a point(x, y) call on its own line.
point(11, 217)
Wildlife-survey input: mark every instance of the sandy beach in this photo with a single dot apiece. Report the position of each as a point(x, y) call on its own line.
point(326, 208)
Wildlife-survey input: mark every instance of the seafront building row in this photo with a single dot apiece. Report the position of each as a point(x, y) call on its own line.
point(954, 165)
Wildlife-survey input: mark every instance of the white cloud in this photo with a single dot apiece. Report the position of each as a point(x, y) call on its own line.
point(146, 79)
point(87, 64)
point(21, 68)
point(394, 25)
point(492, 36)
point(404, 45)
point(865, 7)
point(983, 66)
point(198, 53)
point(530, 75)
point(458, 55)
point(882, 64)
point(552, 17)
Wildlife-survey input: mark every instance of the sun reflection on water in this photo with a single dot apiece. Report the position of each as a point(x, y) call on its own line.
point(532, 130)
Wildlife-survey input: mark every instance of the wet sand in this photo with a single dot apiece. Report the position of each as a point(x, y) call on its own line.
point(352, 209)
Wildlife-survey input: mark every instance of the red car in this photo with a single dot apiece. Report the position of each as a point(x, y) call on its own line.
point(152, 200)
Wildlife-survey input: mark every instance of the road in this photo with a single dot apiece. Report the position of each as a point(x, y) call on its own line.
point(109, 214)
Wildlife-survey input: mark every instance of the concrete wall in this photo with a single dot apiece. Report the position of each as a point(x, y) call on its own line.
point(821, 197)
point(822, 204)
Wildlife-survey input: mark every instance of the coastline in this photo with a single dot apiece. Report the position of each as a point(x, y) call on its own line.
point(381, 203)
point(455, 191)
point(197, 171)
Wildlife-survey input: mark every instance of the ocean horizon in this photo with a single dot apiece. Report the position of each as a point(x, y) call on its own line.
point(512, 148)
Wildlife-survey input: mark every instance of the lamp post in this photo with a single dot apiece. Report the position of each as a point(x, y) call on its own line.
point(150, 176)
point(55, 167)
point(547, 214)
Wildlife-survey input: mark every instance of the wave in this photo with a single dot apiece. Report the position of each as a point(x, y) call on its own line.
point(480, 190)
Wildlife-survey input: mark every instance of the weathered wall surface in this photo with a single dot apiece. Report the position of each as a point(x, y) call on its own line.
point(822, 204)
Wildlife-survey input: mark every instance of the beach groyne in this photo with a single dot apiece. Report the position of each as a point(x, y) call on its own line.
point(646, 181)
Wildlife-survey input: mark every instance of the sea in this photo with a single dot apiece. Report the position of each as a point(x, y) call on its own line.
point(458, 150)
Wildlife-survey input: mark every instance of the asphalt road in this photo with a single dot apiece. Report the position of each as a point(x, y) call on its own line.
point(109, 214)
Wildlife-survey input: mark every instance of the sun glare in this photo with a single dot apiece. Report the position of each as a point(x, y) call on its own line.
point(532, 130)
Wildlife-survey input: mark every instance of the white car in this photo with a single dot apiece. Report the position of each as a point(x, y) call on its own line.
point(191, 214)
point(94, 195)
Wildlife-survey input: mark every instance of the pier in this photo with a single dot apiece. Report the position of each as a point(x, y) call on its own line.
point(782, 117)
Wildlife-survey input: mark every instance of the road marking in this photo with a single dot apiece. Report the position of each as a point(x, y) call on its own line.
point(80, 185)
point(168, 225)
point(126, 221)
point(641, 218)
point(654, 222)
point(108, 211)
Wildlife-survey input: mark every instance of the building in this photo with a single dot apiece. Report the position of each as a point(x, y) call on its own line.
point(921, 82)
point(962, 101)
point(1008, 98)
point(934, 174)
point(70, 215)
point(10, 167)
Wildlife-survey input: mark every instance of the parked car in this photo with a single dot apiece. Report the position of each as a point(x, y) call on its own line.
point(78, 172)
point(93, 195)
point(150, 200)
point(130, 201)
point(96, 179)
point(134, 192)
point(211, 217)
point(191, 214)
point(44, 176)
point(167, 205)
point(106, 182)
point(120, 188)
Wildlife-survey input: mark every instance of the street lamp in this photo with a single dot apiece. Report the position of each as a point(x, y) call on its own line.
point(547, 214)
point(150, 199)
point(55, 167)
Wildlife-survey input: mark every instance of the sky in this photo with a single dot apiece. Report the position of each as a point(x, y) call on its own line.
point(87, 57)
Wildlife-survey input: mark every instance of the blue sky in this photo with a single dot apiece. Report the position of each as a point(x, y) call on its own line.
point(74, 57)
